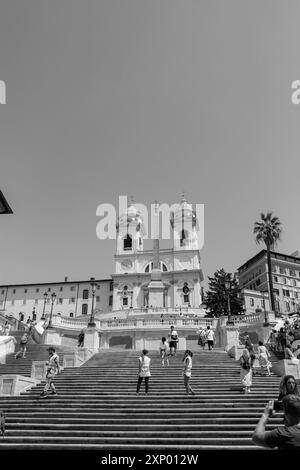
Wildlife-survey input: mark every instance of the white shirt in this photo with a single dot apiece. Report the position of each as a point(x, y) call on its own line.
point(144, 366)
point(164, 346)
point(210, 335)
point(188, 364)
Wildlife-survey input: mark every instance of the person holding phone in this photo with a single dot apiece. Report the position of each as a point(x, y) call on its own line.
point(283, 437)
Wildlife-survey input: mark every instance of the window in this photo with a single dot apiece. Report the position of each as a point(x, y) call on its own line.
point(71, 314)
point(186, 298)
point(284, 280)
point(37, 290)
point(127, 242)
point(14, 291)
point(2, 291)
point(287, 306)
point(98, 298)
point(282, 270)
point(85, 294)
point(60, 300)
point(49, 289)
point(292, 272)
point(12, 302)
point(61, 289)
point(262, 303)
point(72, 300)
point(110, 300)
point(72, 288)
point(251, 302)
point(25, 291)
point(111, 286)
point(286, 292)
point(275, 278)
point(84, 309)
point(125, 301)
point(258, 282)
point(276, 291)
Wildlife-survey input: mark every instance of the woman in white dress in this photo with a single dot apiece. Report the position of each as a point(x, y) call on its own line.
point(263, 359)
point(246, 371)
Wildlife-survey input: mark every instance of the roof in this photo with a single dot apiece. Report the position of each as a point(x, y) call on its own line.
point(274, 255)
point(54, 283)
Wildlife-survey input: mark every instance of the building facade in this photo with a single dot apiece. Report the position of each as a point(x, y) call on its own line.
point(168, 278)
point(181, 273)
point(72, 299)
point(253, 275)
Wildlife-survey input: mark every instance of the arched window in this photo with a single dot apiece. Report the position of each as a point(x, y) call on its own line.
point(125, 297)
point(287, 306)
point(71, 314)
point(127, 242)
point(163, 267)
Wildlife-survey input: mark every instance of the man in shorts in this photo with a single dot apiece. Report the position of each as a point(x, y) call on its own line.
point(173, 335)
point(53, 368)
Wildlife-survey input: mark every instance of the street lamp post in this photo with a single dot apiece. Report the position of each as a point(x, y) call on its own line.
point(92, 323)
point(265, 311)
point(45, 300)
point(228, 289)
point(53, 297)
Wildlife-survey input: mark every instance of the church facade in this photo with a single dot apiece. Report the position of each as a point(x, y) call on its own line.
point(156, 280)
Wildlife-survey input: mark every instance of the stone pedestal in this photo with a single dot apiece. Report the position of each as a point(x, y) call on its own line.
point(51, 336)
point(15, 384)
point(287, 367)
point(231, 337)
point(91, 338)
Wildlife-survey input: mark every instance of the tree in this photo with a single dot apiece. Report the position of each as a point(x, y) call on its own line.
point(216, 298)
point(268, 231)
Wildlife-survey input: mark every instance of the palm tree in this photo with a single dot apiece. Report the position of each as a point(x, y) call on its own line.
point(268, 230)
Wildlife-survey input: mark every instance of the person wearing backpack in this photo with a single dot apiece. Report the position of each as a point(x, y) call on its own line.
point(246, 371)
point(144, 371)
point(23, 343)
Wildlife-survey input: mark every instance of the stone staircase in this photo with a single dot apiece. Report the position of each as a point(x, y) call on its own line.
point(35, 352)
point(96, 407)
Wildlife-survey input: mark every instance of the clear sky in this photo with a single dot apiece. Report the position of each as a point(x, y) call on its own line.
point(112, 97)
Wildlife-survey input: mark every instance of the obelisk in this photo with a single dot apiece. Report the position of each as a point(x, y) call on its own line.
point(156, 286)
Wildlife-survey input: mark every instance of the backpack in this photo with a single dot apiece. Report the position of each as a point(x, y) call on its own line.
point(246, 365)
